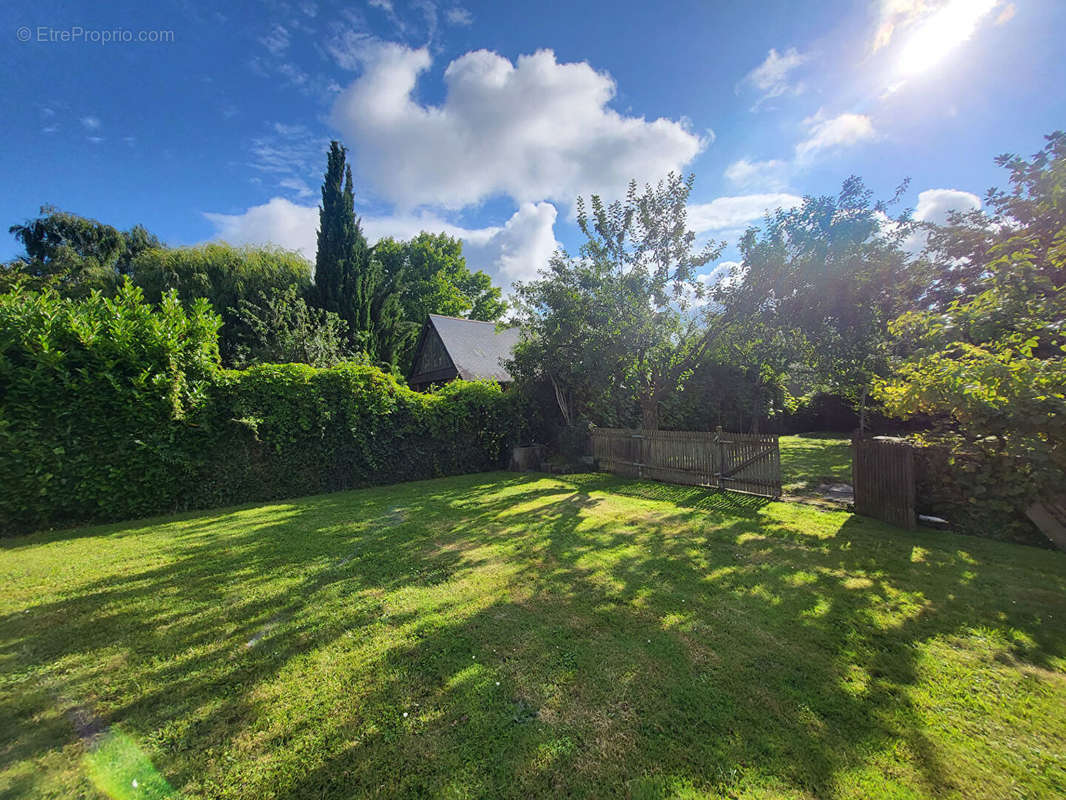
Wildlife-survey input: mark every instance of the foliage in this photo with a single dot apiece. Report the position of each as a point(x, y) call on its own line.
point(614, 328)
point(94, 401)
point(283, 328)
point(830, 274)
point(353, 425)
point(993, 360)
point(73, 254)
point(346, 279)
point(115, 408)
point(226, 276)
point(980, 492)
point(587, 637)
point(428, 275)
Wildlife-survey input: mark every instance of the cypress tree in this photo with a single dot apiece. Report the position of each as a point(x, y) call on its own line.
point(336, 222)
point(345, 278)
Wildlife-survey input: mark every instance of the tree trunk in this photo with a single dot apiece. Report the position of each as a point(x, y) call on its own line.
point(649, 409)
point(561, 399)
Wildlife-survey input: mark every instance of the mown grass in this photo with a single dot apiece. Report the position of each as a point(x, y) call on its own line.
point(519, 636)
point(810, 460)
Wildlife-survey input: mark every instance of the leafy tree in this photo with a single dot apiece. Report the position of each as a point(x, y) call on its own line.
point(992, 360)
point(74, 254)
point(225, 276)
point(616, 327)
point(832, 273)
point(427, 275)
point(283, 328)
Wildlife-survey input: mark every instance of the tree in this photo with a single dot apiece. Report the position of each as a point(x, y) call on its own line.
point(832, 273)
point(283, 328)
point(427, 275)
point(347, 281)
point(74, 254)
point(992, 360)
point(616, 328)
point(225, 276)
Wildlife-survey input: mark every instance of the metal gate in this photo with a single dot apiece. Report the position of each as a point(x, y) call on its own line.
point(742, 462)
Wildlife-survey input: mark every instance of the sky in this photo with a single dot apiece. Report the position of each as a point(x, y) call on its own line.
point(205, 121)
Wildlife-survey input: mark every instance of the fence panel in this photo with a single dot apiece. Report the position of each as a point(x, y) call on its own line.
point(742, 462)
point(882, 474)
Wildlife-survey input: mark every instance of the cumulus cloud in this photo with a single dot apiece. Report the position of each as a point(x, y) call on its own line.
point(91, 123)
point(771, 78)
point(531, 130)
point(770, 175)
point(511, 252)
point(934, 204)
point(825, 134)
point(733, 213)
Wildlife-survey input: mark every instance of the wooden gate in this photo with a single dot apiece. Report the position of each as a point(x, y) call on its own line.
point(882, 473)
point(742, 462)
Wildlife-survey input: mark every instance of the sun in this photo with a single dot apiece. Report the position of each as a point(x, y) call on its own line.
point(940, 33)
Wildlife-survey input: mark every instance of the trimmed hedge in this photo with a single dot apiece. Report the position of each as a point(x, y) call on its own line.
point(114, 409)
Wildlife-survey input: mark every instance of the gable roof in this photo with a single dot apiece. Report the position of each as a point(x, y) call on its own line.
point(476, 348)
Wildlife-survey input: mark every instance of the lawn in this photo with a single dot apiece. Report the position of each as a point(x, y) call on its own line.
point(813, 459)
point(517, 636)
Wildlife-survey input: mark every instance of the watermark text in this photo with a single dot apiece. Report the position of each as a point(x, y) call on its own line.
point(77, 34)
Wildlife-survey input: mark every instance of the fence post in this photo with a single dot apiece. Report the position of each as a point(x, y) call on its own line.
point(720, 454)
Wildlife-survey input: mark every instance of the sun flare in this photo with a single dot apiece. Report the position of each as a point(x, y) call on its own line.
point(940, 33)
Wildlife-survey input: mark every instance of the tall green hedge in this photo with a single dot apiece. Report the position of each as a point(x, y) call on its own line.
point(115, 408)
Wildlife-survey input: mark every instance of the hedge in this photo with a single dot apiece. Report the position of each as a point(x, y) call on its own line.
point(114, 409)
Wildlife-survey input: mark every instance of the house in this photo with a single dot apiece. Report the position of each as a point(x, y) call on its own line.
point(449, 348)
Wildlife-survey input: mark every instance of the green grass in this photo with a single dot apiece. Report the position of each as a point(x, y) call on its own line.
point(812, 459)
point(518, 636)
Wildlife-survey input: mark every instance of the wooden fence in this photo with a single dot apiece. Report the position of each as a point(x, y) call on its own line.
point(742, 462)
point(882, 474)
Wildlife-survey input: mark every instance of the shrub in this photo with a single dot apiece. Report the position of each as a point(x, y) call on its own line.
point(111, 409)
point(93, 398)
point(980, 492)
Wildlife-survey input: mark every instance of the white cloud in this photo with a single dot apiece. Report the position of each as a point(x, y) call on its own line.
point(770, 175)
point(459, 16)
point(296, 185)
point(91, 123)
point(771, 77)
point(279, 222)
point(513, 251)
point(532, 130)
point(518, 250)
point(277, 40)
point(733, 213)
point(934, 204)
point(824, 134)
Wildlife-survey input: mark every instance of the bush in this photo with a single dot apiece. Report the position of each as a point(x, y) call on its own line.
point(93, 398)
point(111, 409)
point(980, 493)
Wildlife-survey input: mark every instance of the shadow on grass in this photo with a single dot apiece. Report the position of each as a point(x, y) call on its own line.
point(704, 643)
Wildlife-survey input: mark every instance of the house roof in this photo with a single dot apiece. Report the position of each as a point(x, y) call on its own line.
point(476, 348)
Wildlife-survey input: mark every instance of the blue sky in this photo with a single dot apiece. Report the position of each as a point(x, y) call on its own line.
point(487, 119)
